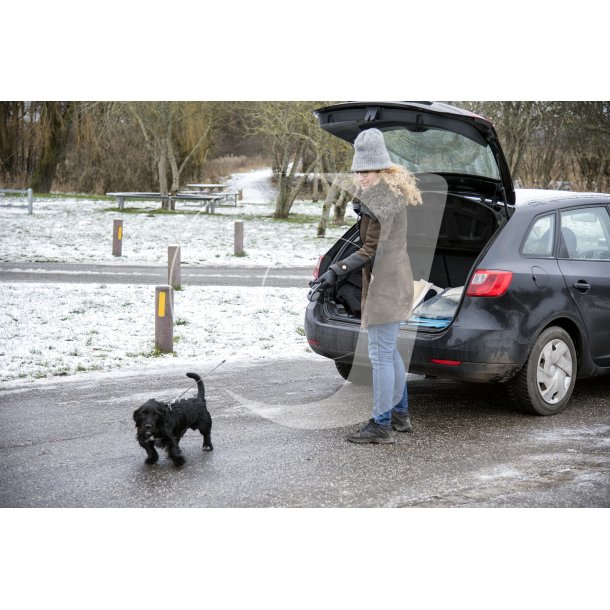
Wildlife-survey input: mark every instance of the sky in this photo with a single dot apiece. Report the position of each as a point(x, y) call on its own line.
point(317, 50)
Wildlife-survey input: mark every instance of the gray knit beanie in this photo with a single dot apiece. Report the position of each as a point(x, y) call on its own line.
point(370, 152)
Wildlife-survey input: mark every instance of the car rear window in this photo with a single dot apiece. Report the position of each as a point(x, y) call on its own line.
point(540, 237)
point(439, 151)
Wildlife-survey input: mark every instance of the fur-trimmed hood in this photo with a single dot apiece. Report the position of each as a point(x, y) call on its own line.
point(381, 201)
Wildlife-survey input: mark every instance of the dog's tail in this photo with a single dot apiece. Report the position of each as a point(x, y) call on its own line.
point(200, 386)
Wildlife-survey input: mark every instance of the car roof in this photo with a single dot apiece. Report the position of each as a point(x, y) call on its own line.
point(541, 198)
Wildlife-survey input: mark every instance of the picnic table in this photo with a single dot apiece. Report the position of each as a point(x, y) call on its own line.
point(208, 187)
point(210, 200)
point(215, 188)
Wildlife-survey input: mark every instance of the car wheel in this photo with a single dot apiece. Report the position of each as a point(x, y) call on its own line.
point(359, 375)
point(544, 385)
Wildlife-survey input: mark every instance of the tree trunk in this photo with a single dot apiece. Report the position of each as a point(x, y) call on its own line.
point(174, 166)
point(340, 208)
point(521, 143)
point(331, 196)
point(283, 201)
point(285, 180)
point(288, 189)
point(603, 166)
point(316, 188)
point(162, 169)
point(57, 120)
point(11, 120)
point(323, 224)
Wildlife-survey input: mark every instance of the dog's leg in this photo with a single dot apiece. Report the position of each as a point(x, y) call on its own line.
point(174, 452)
point(153, 456)
point(207, 437)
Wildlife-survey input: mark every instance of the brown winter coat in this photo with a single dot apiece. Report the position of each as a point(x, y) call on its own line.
point(387, 286)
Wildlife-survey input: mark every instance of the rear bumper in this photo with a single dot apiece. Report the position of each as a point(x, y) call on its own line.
point(485, 355)
point(476, 372)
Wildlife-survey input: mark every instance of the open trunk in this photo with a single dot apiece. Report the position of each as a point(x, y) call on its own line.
point(467, 189)
point(441, 268)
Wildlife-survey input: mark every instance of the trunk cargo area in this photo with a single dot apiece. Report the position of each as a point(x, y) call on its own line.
point(441, 266)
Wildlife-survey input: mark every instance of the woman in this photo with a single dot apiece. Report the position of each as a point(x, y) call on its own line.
point(383, 194)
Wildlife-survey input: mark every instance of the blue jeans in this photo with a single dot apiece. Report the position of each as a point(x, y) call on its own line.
point(389, 385)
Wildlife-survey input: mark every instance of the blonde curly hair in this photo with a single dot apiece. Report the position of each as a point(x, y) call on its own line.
point(402, 182)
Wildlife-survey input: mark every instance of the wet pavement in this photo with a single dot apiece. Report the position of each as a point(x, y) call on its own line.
point(193, 275)
point(278, 433)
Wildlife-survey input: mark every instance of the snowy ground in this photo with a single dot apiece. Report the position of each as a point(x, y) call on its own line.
point(63, 329)
point(78, 230)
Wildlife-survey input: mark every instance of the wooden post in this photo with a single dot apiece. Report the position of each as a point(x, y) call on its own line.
point(117, 237)
point(30, 201)
point(173, 267)
point(164, 319)
point(239, 238)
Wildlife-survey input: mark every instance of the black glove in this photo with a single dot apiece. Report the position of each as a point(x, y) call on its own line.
point(322, 283)
point(328, 280)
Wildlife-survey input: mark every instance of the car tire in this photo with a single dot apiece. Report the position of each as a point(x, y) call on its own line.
point(544, 385)
point(359, 375)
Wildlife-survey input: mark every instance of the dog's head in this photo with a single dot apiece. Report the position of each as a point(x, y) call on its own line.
point(151, 419)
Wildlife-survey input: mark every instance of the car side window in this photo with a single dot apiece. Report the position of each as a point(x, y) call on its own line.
point(540, 237)
point(585, 234)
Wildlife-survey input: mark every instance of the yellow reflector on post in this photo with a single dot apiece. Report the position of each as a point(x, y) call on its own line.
point(162, 304)
point(120, 235)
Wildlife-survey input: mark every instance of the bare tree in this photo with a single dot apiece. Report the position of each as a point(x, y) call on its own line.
point(55, 120)
point(292, 130)
point(335, 158)
point(337, 195)
point(95, 147)
point(545, 161)
point(516, 123)
point(161, 124)
point(12, 140)
point(589, 133)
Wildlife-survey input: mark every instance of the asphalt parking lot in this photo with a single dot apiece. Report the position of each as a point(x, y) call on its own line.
point(278, 434)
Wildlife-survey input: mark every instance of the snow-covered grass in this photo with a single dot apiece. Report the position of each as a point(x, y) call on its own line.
point(63, 329)
point(80, 230)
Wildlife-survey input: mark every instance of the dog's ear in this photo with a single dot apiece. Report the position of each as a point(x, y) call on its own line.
point(136, 416)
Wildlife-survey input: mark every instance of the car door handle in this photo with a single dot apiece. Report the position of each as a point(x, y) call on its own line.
point(582, 285)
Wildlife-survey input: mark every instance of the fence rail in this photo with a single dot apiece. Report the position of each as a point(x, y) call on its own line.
point(23, 193)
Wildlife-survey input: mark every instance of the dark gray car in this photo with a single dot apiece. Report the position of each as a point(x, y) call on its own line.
point(517, 283)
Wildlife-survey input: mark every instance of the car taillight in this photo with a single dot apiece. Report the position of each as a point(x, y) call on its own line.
point(316, 271)
point(489, 283)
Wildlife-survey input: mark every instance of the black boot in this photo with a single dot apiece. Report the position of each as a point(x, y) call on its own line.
point(372, 433)
point(401, 422)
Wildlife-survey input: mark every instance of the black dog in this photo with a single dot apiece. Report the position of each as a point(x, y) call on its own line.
point(164, 424)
